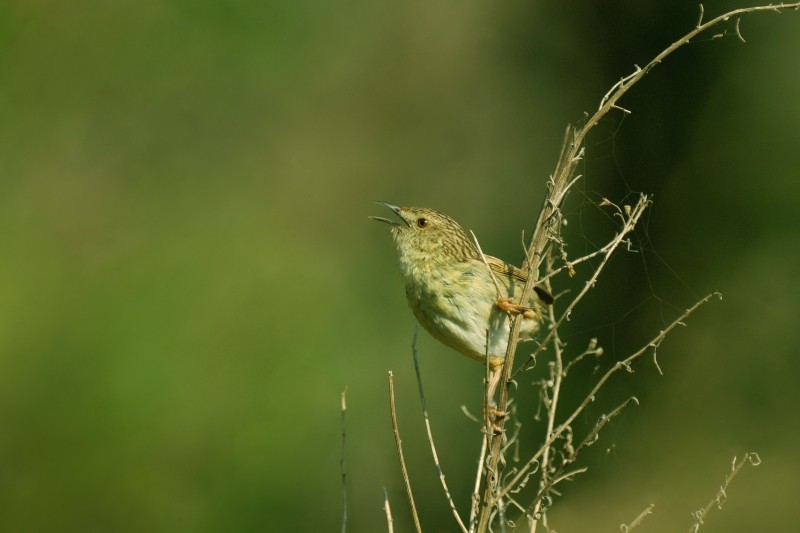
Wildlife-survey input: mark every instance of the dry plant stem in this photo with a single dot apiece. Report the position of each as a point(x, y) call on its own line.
point(626, 364)
point(558, 374)
point(573, 262)
point(535, 510)
point(628, 225)
point(430, 433)
point(399, 446)
point(549, 216)
point(476, 492)
point(751, 458)
point(342, 463)
point(490, 499)
point(594, 434)
point(486, 264)
point(544, 496)
point(591, 349)
point(572, 150)
point(388, 510)
point(624, 528)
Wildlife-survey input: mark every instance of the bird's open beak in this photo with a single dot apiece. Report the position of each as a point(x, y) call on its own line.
point(388, 221)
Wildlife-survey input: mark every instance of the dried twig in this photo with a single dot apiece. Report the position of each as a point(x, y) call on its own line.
point(591, 349)
point(594, 434)
point(430, 433)
point(486, 264)
point(557, 375)
point(399, 446)
point(628, 224)
point(626, 364)
point(535, 511)
point(699, 516)
point(476, 492)
point(342, 463)
point(490, 496)
point(624, 528)
point(548, 226)
point(388, 510)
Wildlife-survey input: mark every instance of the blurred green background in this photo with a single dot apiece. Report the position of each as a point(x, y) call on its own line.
point(189, 280)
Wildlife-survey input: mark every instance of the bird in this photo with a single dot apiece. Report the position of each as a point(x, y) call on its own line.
point(460, 296)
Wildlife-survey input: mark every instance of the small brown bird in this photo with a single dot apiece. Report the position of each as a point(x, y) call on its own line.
point(453, 294)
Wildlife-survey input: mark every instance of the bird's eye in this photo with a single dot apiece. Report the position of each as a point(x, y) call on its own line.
point(422, 222)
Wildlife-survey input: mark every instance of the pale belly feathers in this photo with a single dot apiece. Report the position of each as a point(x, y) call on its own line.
point(457, 307)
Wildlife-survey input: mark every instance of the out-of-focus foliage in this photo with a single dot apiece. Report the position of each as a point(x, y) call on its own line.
point(188, 278)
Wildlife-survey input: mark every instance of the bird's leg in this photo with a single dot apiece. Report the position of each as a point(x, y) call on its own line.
point(507, 305)
point(494, 380)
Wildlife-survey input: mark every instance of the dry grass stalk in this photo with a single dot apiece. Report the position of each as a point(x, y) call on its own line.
point(399, 444)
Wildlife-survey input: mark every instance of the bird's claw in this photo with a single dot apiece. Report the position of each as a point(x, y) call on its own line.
point(494, 416)
point(493, 430)
point(507, 305)
point(491, 411)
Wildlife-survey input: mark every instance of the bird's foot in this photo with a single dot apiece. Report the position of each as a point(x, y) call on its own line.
point(491, 411)
point(507, 305)
point(493, 417)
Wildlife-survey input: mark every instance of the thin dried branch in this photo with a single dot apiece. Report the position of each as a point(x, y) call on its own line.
point(624, 528)
point(430, 433)
point(594, 434)
point(557, 375)
point(549, 221)
point(629, 223)
point(591, 349)
point(476, 492)
point(626, 364)
point(399, 446)
point(388, 510)
point(527, 472)
point(342, 462)
point(486, 263)
point(534, 511)
point(491, 490)
point(719, 499)
point(514, 441)
point(569, 265)
point(537, 508)
point(572, 151)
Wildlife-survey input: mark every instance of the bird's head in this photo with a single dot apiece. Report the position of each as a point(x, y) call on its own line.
point(426, 236)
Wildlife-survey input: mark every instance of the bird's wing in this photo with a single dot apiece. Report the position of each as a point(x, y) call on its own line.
point(505, 269)
point(501, 267)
